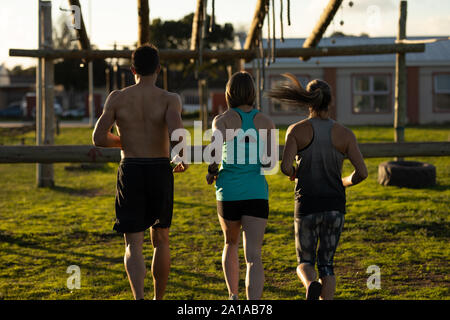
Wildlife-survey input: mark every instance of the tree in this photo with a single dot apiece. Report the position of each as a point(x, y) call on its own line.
point(173, 34)
point(73, 73)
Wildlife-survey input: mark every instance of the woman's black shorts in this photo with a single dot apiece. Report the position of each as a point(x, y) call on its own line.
point(144, 194)
point(234, 210)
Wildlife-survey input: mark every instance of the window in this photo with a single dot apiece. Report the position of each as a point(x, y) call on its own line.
point(441, 100)
point(280, 108)
point(371, 94)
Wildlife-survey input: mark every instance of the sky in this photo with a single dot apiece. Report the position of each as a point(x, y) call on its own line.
point(109, 21)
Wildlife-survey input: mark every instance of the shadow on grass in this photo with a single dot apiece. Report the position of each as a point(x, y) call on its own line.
point(82, 192)
point(220, 280)
point(433, 229)
point(184, 204)
point(62, 254)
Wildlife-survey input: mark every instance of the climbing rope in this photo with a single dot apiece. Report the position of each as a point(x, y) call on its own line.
point(213, 16)
point(273, 32)
point(269, 50)
point(289, 12)
point(281, 22)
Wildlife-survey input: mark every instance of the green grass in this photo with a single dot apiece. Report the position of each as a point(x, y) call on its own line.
point(43, 231)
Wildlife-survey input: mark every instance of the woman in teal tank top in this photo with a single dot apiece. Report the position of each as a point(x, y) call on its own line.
point(242, 192)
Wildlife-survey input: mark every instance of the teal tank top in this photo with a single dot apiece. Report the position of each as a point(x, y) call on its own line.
point(240, 175)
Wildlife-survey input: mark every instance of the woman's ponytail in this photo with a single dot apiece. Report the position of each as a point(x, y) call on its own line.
point(317, 94)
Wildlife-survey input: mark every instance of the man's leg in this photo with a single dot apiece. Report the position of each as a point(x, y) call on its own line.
point(134, 263)
point(230, 256)
point(253, 231)
point(161, 260)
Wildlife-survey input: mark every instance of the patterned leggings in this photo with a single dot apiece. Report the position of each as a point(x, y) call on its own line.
point(322, 227)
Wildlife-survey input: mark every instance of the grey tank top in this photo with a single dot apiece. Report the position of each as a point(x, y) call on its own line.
point(319, 186)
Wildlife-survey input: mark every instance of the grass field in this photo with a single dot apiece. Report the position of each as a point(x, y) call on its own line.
point(405, 232)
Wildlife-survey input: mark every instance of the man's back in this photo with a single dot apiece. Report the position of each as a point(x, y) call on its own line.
point(141, 121)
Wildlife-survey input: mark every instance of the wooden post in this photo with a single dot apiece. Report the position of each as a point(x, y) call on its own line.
point(108, 80)
point(197, 24)
point(400, 80)
point(203, 100)
point(143, 22)
point(165, 77)
point(38, 111)
point(47, 174)
point(326, 17)
point(257, 23)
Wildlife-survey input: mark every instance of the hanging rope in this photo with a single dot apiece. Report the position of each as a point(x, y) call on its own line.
point(289, 12)
point(213, 16)
point(273, 32)
point(263, 64)
point(269, 50)
point(281, 21)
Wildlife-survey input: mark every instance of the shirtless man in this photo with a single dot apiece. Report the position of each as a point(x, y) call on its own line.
point(145, 117)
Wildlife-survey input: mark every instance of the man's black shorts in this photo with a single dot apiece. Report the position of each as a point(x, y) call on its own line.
point(234, 210)
point(144, 194)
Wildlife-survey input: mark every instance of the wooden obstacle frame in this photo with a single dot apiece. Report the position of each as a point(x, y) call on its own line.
point(48, 153)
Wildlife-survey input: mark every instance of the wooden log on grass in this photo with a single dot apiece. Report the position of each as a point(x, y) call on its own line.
point(87, 153)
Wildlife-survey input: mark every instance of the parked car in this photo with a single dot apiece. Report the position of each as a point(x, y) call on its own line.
point(57, 107)
point(73, 113)
point(14, 110)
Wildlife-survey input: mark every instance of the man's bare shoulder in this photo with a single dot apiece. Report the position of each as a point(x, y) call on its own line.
point(113, 99)
point(171, 96)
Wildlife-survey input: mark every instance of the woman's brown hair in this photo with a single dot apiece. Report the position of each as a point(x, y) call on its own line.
point(240, 90)
point(316, 96)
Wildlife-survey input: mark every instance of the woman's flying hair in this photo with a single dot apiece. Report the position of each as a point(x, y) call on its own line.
point(316, 96)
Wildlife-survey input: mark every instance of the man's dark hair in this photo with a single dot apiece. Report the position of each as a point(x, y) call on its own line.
point(145, 60)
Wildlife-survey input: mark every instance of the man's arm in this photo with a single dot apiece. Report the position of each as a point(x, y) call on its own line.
point(102, 137)
point(354, 155)
point(174, 122)
point(289, 153)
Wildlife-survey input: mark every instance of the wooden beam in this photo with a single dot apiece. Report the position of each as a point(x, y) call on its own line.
point(400, 79)
point(174, 54)
point(143, 22)
point(87, 153)
point(197, 24)
point(257, 23)
point(326, 17)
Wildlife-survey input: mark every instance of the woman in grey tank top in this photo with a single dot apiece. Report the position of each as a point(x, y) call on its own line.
point(318, 145)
